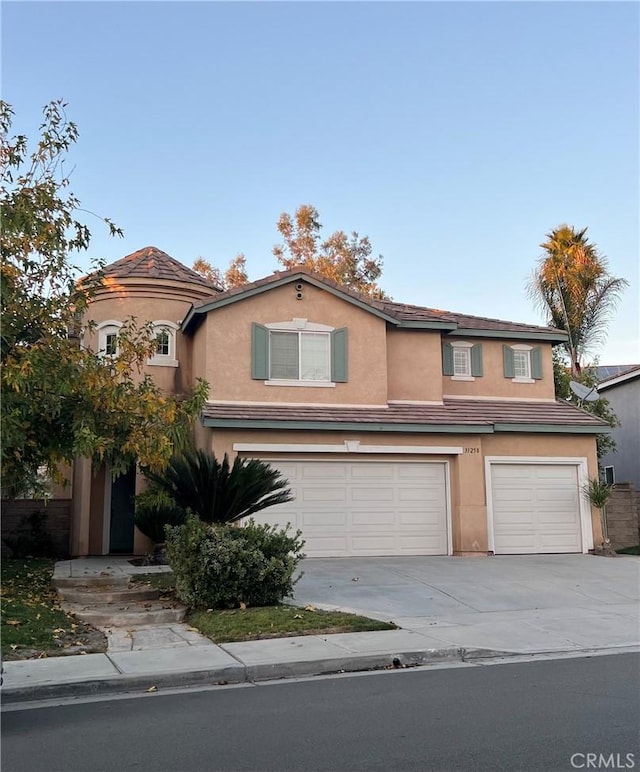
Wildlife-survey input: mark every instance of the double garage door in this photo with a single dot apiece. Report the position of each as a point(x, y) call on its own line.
point(361, 508)
point(383, 508)
point(535, 508)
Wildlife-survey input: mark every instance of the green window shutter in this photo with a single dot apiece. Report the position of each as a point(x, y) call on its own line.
point(507, 358)
point(259, 352)
point(339, 355)
point(536, 363)
point(476, 360)
point(447, 358)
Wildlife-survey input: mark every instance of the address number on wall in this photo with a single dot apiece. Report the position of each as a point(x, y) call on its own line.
point(472, 450)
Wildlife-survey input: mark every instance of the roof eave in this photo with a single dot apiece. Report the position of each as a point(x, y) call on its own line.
point(551, 336)
point(280, 282)
point(552, 428)
point(338, 426)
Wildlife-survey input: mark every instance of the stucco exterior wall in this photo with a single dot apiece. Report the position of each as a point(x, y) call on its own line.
point(493, 383)
point(148, 304)
point(467, 482)
point(228, 348)
point(414, 365)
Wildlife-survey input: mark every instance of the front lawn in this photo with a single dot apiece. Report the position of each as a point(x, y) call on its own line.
point(253, 624)
point(33, 623)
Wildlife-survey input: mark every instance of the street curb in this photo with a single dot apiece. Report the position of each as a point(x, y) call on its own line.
point(242, 673)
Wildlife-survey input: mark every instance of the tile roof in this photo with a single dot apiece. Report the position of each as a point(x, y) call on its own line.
point(151, 262)
point(401, 312)
point(418, 313)
point(459, 412)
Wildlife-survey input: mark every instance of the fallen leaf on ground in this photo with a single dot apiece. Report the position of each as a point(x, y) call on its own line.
point(243, 606)
point(12, 622)
point(297, 616)
point(309, 608)
point(152, 689)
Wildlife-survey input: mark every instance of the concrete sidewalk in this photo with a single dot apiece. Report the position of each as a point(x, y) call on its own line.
point(512, 622)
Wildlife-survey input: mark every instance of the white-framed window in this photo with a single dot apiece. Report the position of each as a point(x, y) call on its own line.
point(609, 475)
point(108, 338)
point(298, 353)
point(299, 356)
point(522, 363)
point(462, 360)
point(165, 338)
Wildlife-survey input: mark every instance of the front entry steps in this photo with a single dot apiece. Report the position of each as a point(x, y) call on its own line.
point(112, 601)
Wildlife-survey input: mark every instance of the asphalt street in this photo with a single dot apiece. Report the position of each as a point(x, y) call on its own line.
point(540, 715)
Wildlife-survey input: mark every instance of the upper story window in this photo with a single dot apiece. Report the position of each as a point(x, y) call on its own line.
point(300, 356)
point(165, 335)
point(462, 360)
point(108, 338)
point(522, 363)
point(298, 353)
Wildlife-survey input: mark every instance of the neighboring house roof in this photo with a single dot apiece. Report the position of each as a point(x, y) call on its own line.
point(153, 263)
point(399, 314)
point(630, 373)
point(454, 415)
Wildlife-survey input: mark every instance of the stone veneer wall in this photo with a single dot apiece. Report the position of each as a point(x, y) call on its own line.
point(58, 522)
point(623, 516)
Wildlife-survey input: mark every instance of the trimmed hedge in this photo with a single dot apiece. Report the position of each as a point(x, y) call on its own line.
point(226, 566)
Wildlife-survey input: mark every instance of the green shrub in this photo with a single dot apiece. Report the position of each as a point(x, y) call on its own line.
point(224, 566)
point(155, 510)
point(218, 491)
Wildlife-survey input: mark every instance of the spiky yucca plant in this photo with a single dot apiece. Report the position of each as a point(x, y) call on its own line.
point(220, 492)
point(598, 492)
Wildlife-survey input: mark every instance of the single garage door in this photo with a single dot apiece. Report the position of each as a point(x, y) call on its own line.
point(536, 508)
point(359, 508)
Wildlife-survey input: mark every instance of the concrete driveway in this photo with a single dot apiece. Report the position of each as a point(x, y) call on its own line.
point(526, 603)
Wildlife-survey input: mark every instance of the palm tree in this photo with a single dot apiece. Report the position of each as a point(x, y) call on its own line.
point(218, 492)
point(573, 287)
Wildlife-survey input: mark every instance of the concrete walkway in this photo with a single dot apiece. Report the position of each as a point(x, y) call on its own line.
point(449, 609)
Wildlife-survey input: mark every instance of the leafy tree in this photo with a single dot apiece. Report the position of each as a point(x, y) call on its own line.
point(220, 492)
point(60, 400)
point(600, 407)
point(346, 259)
point(234, 276)
point(573, 287)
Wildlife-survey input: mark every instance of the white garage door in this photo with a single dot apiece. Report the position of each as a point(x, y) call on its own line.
point(536, 508)
point(364, 508)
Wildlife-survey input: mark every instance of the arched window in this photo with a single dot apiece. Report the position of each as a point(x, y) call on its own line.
point(165, 336)
point(108, 338)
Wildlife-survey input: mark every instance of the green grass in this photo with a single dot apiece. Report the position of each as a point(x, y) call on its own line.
point(253, 624)
point(162, 581)
point(33, 623)
point(630, 550)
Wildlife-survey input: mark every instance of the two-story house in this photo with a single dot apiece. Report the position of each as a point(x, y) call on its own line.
point(402, 430)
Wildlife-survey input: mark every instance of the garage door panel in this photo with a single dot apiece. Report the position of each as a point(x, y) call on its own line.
point(372, 494)
point(365, 508)
point(371, 471)
point(370, 519)
point(422, 545)
point(319, 518)
point(310, 471)
point(536, 508)
point(327, 494)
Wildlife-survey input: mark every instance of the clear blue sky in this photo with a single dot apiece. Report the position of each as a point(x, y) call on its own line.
point(455, 135)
